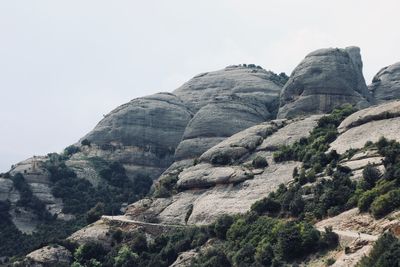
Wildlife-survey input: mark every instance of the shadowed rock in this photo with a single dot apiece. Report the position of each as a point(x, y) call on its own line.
point(325, 79)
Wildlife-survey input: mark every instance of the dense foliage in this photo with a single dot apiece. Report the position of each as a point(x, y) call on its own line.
point(311, 150)
point(385, 253)
point(317, 199)
point(380, 193)
point(246, 240)
point(79, 195)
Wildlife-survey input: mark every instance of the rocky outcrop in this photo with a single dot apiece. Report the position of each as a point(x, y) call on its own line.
point(242, 143)
point(49, 256)
point(98, 232)
point(386, 84)
point(234, 184)
point(205, 175)
point(226, 102)
point(37, 178)
point(368, 125)
point(252, 84)
point(325, 79)
point(375, 113)
point(215, 122)
point(142, 134)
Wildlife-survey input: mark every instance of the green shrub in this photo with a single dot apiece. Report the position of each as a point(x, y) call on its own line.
point(126, 258)
point(264, 254)
point(211, 258)
point(166, 186)
point(188, 213)
point(138, 242)
point(85, 253)
point(244, 256)
point(259, 162)
point(329, 239)
point(85, 142)
point(221, 159)
point(385, 253)
point(371, 175)
point(70, 150)
point(386, 203)
point(222, 225)
point(366, 199)
point(266, 205)
point(330, 261)
point(95, 213)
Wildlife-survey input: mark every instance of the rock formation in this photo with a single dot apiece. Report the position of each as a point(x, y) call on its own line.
point(325, 79)
point(204, 138)
point(49, 256)
point(233, 182)
point(142, 134)
point(386, 84)
point(369, 124)
point(226, 102)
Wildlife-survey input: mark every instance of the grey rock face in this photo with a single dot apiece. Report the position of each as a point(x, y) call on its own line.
point(386, 84)
point(374, 113)
point(49, 256)
point(214, 122)
point(142, 134)
point(205, 175)
point(368, 125)
point(244, 82)
point(325, 79)
point(226, 102)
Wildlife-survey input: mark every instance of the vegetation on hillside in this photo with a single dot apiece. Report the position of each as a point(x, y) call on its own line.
point(277, 231)
point(246, 240)
point(80, 198)
point(385, 253)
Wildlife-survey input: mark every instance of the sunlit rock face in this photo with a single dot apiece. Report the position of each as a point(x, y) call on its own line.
point(369, 124)
point(325, 79)
point(386, 84)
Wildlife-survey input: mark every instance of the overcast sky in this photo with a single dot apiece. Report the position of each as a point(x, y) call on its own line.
point(63, 64)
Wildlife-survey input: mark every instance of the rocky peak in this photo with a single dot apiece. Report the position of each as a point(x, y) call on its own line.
point(386, 83)
point(226, 102)
point(325, 79)
point(243, 81)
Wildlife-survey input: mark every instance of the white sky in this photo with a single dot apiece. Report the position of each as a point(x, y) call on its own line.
point(65, 63)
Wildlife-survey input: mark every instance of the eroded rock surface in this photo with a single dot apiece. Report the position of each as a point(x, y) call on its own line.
point(369, 125)
point(228, 188)
point(248, 83)
point(386, 83)
point(325, 79)
point(49, 256)
point(375, 113)
point(226, 102)
point(142, 134)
